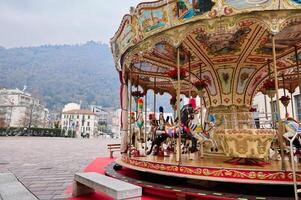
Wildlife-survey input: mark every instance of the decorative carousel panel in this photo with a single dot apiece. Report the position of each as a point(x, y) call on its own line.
point(164, 51)
point(243, 78)
point(249, 4)
point(292, 4)
point(152, 19)
point(188, 9)
point(225, 74)
point(207, 76)
point(123, 37)
point(246, 143)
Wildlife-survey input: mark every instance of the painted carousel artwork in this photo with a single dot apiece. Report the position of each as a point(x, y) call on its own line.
point(215, 56)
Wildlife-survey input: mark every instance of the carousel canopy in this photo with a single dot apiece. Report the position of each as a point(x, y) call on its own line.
point(227, 43)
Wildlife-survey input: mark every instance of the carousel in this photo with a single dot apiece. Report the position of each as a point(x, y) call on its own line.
point(211, 57)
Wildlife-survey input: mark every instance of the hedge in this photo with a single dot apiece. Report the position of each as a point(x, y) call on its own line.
point(38, 132)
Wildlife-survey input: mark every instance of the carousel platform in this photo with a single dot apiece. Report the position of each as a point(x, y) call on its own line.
point(157, 187)
point(213, 169)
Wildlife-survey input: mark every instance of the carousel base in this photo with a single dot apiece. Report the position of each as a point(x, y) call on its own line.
point(185, 188)
point(212, 169)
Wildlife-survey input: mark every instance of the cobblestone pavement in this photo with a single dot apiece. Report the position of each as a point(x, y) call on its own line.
point(46, 166)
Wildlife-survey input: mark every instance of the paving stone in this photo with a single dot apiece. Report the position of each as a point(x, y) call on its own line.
point(41, 163)
point(12, 189)
point(45, 197)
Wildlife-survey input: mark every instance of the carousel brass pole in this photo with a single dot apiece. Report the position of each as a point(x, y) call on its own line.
point(280, 124)
point(155, 98)
point(292, 103)
point(179, 156)
point(298, 70)
point(145, 120)
point(189, 68)
point(131, 99)
point(284, 93)
point(201, 98)
point(272, 102)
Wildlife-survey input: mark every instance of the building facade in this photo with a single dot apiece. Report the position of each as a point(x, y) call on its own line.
point(264, 104)
point(83, 122)
point(21, 110)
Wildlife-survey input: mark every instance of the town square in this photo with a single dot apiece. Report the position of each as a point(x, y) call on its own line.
point(180, 99)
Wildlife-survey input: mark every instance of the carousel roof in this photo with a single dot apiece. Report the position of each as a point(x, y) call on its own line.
point(228, 43)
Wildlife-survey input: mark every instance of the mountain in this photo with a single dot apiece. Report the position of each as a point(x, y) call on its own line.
point(60, 74)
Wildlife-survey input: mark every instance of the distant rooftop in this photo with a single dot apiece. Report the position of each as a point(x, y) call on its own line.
point(13, 91)
point(79, 112)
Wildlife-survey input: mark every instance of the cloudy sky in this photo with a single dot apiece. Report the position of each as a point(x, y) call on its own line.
point(36, 22)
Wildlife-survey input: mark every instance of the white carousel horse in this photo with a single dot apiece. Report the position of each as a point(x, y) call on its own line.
point(292, 127)
point(204, 135)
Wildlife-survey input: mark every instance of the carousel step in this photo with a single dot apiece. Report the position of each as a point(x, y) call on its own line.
point(85, 183)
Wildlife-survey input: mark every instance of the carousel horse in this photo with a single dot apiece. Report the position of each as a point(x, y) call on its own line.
point(292, 127)
point(187, 114)
point(205, 135)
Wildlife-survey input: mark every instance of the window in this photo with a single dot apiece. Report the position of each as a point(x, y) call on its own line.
point(298, 106)
point(88, 123)
point(88, 116)
point(77, 116)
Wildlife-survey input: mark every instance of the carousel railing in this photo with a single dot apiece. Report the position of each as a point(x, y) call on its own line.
point(245, 120)
point(242, 136)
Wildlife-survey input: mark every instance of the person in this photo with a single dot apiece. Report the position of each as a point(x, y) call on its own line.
point(161, 119)
point(154, 125)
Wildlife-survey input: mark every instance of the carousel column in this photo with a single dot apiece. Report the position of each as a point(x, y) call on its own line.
point(292, 103)
point(271, 95)
point(191, 155)
point(298, 70)
point(155, 97)
point(179, 153)
point(155, 105)
point(145, 121)
point(124, 111)
point(280, 124)
point(201, 98)
point(131, 100)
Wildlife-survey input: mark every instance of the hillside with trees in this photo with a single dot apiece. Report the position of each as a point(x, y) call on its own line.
point(62, 73)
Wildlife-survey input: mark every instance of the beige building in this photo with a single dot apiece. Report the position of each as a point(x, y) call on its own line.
point(83, 122)
point(20, 109)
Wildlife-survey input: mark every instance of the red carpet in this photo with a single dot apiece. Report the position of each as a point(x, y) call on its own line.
point(98, 165)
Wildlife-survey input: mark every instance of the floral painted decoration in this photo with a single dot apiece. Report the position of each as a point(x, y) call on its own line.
point(200, 85)
point(253, 109)
point(285, 98)
point(173, 74)
point(269, 84)
point(137, 94)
